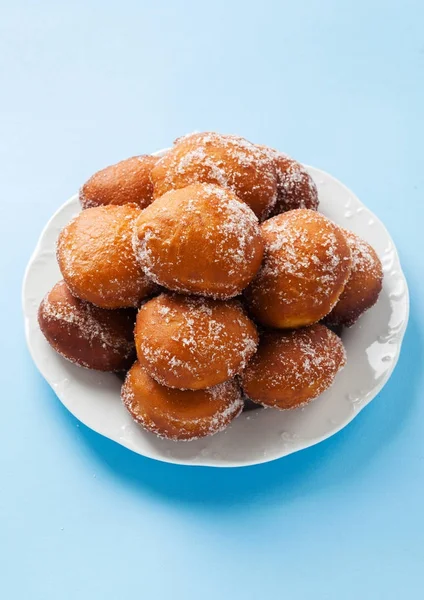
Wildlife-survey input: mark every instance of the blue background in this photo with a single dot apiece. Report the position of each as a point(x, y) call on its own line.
point(339, 85)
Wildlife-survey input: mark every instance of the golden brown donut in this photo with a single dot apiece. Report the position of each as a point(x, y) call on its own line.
point(291, 368)
point(126, 182)
point(97, 260)
point(200, 239)
point(189, 342)
point(295, 187)
point(364, 284)
point(305, 268)
point(225, 160)
point(179, 414)
point(85, 334)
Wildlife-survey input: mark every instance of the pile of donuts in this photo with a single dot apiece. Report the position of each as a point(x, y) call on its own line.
point(209, 278)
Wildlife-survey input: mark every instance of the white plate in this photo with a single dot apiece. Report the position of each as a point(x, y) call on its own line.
point(372, 345)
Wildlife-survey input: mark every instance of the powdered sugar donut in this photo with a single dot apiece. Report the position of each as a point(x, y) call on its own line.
point(305, 268)
point(97, 260)
point(364, 285)
point(225, 160)
point(200, 239)
point(126, 182)
point(85, 334)
point(295, 188)
point(179, 414)
point(189, 342)
point(291, 368)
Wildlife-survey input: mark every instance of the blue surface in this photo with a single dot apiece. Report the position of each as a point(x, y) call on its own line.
point(340, 85)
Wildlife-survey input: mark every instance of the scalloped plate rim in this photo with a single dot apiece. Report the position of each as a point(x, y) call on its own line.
point(287, 451)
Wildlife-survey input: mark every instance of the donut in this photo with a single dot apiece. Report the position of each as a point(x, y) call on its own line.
point(225, 160)
point(97, 260)
point(200, 239)
point(189, 342)
point(291, 368)
point(295, 187)
point(89, 336)
point(305, 268)
point(179, 415)
point(363, 286)
point(126, 182)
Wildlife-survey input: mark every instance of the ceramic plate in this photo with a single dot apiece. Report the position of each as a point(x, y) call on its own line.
point(372, 346)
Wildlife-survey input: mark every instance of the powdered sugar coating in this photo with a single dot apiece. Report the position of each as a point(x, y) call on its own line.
point(190, 342)
point(364, 285)
point(296, 188)
point(176, 414)
point(364, 257)
point(291, 368)
point(225, 160)
point(85, 334)
point(305, 268)
point(88, 324)
point(97, 260)
point(200, 239)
